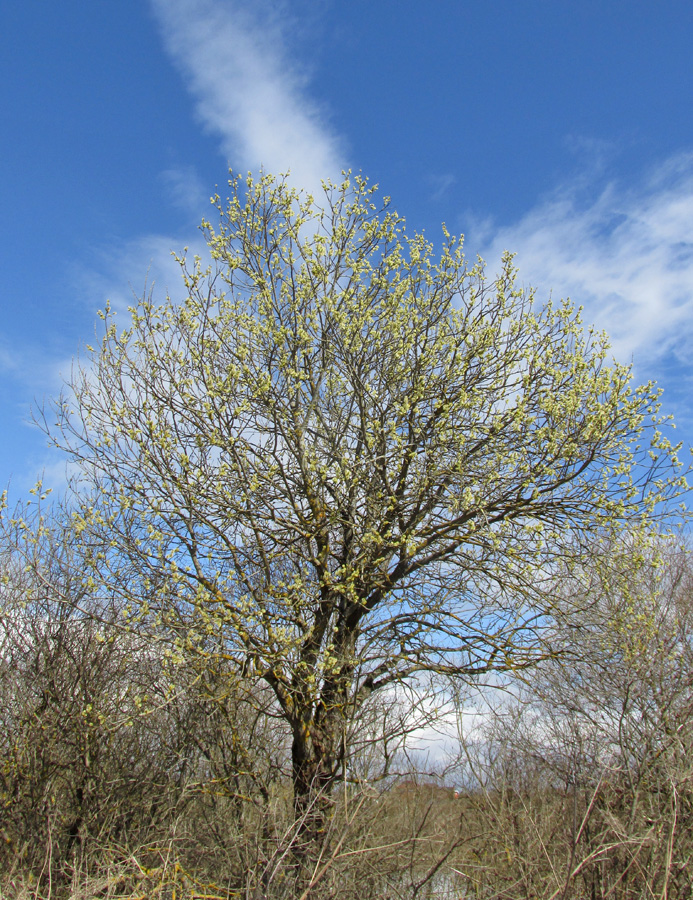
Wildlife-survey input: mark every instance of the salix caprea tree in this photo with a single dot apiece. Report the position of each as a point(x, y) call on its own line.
point(342, 463)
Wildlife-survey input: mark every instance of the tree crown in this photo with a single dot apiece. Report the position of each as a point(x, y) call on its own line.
point(342, 460)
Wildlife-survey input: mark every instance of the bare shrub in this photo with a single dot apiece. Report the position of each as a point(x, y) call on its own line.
point(583, 782)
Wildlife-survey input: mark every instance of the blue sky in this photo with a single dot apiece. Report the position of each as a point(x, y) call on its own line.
point(559, 130)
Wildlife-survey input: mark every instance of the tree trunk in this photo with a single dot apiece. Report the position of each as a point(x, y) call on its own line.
point(315, 760)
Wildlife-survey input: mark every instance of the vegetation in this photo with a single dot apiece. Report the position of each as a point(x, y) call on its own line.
point(583, 781)
point(338, 475)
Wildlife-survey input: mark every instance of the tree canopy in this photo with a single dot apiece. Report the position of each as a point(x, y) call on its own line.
point(343, 461)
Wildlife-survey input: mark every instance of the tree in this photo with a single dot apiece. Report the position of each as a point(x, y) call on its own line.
point(340, 464)
point(79, 761)
point(107, 751)
point(581, 784)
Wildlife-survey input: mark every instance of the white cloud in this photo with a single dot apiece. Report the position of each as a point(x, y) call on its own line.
point(248, 90)
point(9, 361)
point(251, 94)
point(439, 185)
point(626, 256)
point(185, 190)
point(123, 273)
point(119, 274)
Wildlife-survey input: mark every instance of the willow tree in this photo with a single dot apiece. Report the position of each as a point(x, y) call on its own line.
point(342, 463)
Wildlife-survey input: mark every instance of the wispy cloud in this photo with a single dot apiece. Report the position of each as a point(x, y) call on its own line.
point(247, 88)
point(439, 185)
point(9, 362)
point(29, 375)
point(626, 256)
point(123, 273)
point(250, 92)
point(185, 189)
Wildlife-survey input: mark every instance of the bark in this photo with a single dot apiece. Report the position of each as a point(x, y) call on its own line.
point(316, 753)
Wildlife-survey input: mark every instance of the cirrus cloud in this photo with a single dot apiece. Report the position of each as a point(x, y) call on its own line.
point(247, 88)
point(625, 255)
